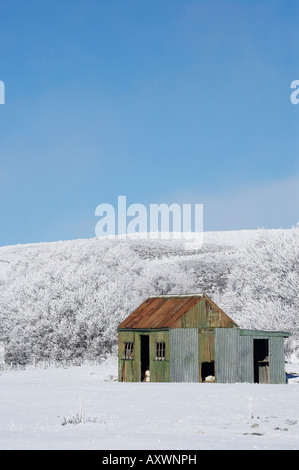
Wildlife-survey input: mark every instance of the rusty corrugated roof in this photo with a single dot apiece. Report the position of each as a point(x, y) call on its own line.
point(160, 312)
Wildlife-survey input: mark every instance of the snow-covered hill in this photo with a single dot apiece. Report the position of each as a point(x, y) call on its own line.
point(64, 300)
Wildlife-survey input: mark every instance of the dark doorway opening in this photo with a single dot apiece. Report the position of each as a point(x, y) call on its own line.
point(145, 357)
point(261, 361)
point(208, 371)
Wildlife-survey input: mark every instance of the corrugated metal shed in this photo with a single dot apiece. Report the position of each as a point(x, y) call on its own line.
point(198, 340)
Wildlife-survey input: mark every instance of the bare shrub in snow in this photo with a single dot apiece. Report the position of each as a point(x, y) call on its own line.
point(81, 417)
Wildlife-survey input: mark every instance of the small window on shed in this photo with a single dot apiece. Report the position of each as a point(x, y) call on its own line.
point(128, 351)
point(160, 351)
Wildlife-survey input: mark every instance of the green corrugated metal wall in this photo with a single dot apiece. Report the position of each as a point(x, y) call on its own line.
point(226, 353)
point(234, 356)
point(245, 362)
point(160, 370)
point(277, 369)
point(184, 364)
point(130, 370)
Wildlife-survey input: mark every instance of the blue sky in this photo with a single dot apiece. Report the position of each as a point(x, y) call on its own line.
point(159, 100)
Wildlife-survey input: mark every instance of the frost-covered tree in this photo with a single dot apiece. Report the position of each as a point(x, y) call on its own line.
point(64, 300)
point(262, 287)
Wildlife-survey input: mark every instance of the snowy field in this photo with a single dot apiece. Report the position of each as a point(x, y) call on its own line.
point(86, 408)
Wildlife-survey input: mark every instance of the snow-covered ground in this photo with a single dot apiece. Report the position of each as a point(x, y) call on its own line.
point(39, 408)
